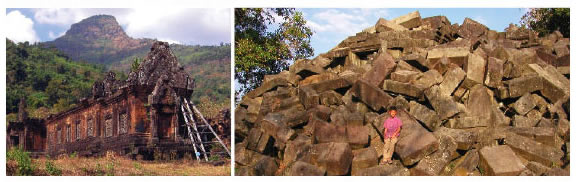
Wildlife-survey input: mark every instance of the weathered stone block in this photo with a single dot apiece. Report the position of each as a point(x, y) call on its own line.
point(265, 166)
point(480, 104)
point(451, 80)
point(371, 95)
point(403, 65)
point(464, 138)
point(443, 104)
point(241, 125)
point(455, 55)
point(405, 76)
point(467, 164)
point(494, 72)
point(329, 85)
point(385, 25)
point(330, 97)
point(433, 164)
point(325, 132)
point(300, 168)
point(318, 78)
point(308, 97)
point(556, 171)
point(427, 116)
point(407, 89)
point(428, 79)
point(352, 76)
point(534, 115)
point(467, 122)
point(305, 68)
point(320, 111)
point(358, 136)
point(534, 151)
point(500, 161)
point(337, 117)
point(410, 20)
point(245, 157)
point(336, 158)
point(471, 29)
point(537, 168)
point(253, 105)
point(396, 169)
point(522, 121)
point(563, 129)
point(524, 104)
point(382, 66)
point(296, 150)
point(266, 86)
point(522, 85)
point(364, 158)
point(354, 119)
point(414, 141)
point(273, 125)
point(555, 85)
point(259, 141)
point(400, 103)
point(475, 70)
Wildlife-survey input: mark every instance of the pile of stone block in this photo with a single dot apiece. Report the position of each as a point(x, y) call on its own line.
point(473, 101)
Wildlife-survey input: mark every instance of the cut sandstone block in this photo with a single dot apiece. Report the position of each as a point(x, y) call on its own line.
point(500, 161)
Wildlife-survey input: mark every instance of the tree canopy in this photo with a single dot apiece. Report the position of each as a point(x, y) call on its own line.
point(48, 80)
point(548, 20)
point(265, 42)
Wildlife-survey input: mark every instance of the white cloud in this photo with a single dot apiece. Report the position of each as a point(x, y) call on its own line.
point(348, 22)
point(190, 26)
point(194, 26)
point(334, 20)
point(57, 16)
point(481, 20)
point(66, 17)
point(20, 28)
point(52, 35)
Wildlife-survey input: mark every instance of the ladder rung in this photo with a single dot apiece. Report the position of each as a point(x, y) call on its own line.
point(199, 125)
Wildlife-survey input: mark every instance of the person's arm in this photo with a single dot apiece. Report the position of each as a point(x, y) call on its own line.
point(385, 134)
point(397, 132)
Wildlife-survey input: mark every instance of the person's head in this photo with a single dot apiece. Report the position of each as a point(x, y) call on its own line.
point(392, 111)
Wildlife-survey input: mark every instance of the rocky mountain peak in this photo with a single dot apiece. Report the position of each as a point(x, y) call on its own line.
point(98, 27)
point(103, 33)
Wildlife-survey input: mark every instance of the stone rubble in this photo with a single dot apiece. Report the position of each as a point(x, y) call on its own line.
point(473, 101)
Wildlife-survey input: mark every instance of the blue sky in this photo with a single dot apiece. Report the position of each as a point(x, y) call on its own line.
point(331, 26)
point(185, 26)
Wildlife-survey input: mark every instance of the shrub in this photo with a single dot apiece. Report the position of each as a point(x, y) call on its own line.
point(72, 155)
point(25, 166)
point(51, 169)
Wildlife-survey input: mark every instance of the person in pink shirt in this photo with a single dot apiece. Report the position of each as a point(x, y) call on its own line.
point(392, 130)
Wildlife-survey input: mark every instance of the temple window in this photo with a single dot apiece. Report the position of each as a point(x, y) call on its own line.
point(109, 127)
point(68, 132)
point(78, 130)
point(90, 128)
point(123, 123)
point(58, 136)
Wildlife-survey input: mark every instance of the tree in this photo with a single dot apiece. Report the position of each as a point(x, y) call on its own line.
point(548, 20)
point(135, 64)
point(264, 46)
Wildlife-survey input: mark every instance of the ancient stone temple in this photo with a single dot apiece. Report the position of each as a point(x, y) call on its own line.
point(26, 133)
point(139, 116)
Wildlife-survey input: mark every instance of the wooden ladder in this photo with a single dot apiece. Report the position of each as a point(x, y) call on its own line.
point(198, 126)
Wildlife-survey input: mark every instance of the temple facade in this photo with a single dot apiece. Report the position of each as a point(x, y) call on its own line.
point(139, 116)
